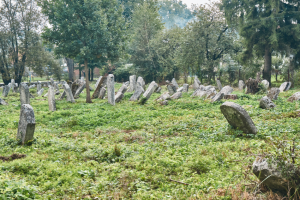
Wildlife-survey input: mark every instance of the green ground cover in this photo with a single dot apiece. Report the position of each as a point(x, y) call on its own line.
point(132, 151)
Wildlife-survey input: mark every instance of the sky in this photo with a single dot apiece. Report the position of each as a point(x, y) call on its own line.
point(198, 2)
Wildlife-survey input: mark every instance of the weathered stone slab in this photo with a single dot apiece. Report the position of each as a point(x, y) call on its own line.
point(46, 95)
point(164, 96)
point(185, 87)
point(273, 93)
point(111, 89)
point(69, 94)
point(82, 79)
point(123, 89)
point(266, 103)
point(252, 86)
point(63, 95)
point(79, 90)
point(241, 84)
point(137, 93)
point(238, 117)
point(132, 83)
point(40, 92)
point(227, 90)
point(52, 82)
point(177, 95)
point(265, 83)
point(147, 94)
point(38, 86)
point(102, 93)
point(118, 97)
point(31, 86)
point(167, 82)
point(175, 83)
point(31, 96)
point(12, 84)
point(24, 94)
point(164, 103)
point(51, 99)
point(2, 102)
point(6, 90)
point(158, 89)
point(294, 97)
point(172, 89)
point(141, 81)
point(219, 84)
point(285, 86)
point(231, 96)
point(180, 89)
point(26, 124)
point(98, 81)
point(75, 86)
point(102, 82)
point(196, 83)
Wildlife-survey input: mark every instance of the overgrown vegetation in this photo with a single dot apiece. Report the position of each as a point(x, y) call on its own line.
point(185, 150)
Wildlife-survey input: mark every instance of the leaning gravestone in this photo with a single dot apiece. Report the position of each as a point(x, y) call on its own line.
point(285, 86)
point(185, 87)
point(227, 90)
point(26, 124)
point(238, 117)
point(164, 96)
point(137, 93)
point(122, 89)
point(24, 94)
point(196, 83)
point(62, 96)
point(102, 93)
point(132, 83)
point(118, 97)
point(82, 79)
point(141, 81)
point(265, 83)
point(217, 97)
point(219, 84)
point(151, 88)
point(231, 96)
point(102, 82)
point(177, 95)
point(2, 102)
point(180, 89)
point(158, 89)
point(171, 89)
point(98, 81)
point(79, 90)
point(31, 86)
point(294, 97)
point(40, 92)
point(241, 84)
point(5, 91)
point(266, 103)
point(69, 94)
point(273, 93)
point(175, 83)
point(38, 86)
point(111, 89)
point(75, 85)
point(51, 99)
point(31, 96)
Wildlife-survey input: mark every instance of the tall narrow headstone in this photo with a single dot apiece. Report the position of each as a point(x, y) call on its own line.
point(132, 82)
point(111, 89)
point(6, 89)
point(26, 124)
point(123, 89)
point(196, 83)
point(219, 84)
point(24, 94)
point(38, 86)
point(102, 82)
point(241, 84)
point(185, 87)
point(137, 93)
point(69, 94)
point(265, 83)
point(13, 85)
point(79, 90)
point(82, 79)
point(102, 93)
point(98, 80)
point(141, 81)
point(171, 89)
point(151, 88)
point(51, 99)
point(39, 93)
point(118, 97)
point(175, 83)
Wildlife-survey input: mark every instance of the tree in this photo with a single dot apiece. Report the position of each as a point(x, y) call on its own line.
point(87, 30)
point(19, 24)
point(70, 65)
point(265, 26)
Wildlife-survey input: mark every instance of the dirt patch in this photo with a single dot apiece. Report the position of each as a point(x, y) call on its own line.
point(12, 157)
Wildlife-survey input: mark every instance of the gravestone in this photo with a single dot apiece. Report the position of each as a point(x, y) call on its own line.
point(122, 89)
point(26, 125)
point(98, 81)
point(164, 103)
point(46, 95)
point(241, 84)
point(266, 103)
point(75, 86)
point(82, 79)
point(6, 89)
point(31, 86)
point(158, 89)
point(141, 81)
point(63, 95)
point(227, 90)
point(40, 92)
point(171, 89)
point(118, 97)
point(164, 96)
point(102, 93)
point(211, 93)
point(185, 87)
point(230, 96)
point(147, 94)
point(177, 95)
point(51, 99)
point(132, 83)
point(217, 97)
point(273, 93)
point(180, 89)
point(238, 117)
point(294, 97)
point(24, 94)
point(12, 82)
point(252, 86)
point(79, 90)
point(196, 83)
point(38, 86)
point(52, 82)
point(2, 102)
point(175, 83)
point(69, 94)
point(137, 93)
point(111, 89)
point(219, 84)
point(102, 82)
point(167, 82)
point(265, 83)
point(285, 86)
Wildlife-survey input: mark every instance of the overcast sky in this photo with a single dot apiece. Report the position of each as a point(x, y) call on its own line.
point(198, 2)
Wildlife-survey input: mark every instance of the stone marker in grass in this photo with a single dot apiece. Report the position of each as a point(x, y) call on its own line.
point(51, 99)
point(24, 94)
point(273, 93)
point(111, 89)
point(185, 87)
point(26, 124)
point(69, 94)
point(147, 94)
point(132, 83)
point(137, 93)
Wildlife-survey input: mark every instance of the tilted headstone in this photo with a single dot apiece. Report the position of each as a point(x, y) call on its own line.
point(231, 96)
point(46, 95)
point(75, 85)
point(98, 81)
point(63, 95)
point(6, 90)
point(127, 83)
point(177, 95)
point(141, 81)
point(24, 94)
point(211, 93)
point(238, 117)
point(38, 86)
point(132, 82)
point(2, 102)
point(180, 89)
point(31, 96)
point(219, 84)
point(285, 86)
point(227, 90)
point(265, 83)
point(122, 89)
point(164, 96)
point(69, 94)
point(52, 82)
point(167, 82)
point(51, 99)
point(26, 124)
point(102, 93)
point(40, 92)
point(241, 84)
point(31, 86)
point(111, 89)
point(171, 88)
point(196, 83)
point(158, 89)
point(185, 87)
point(118, 97)
point(79, 90)
point(273, 93)
point(102, 82)
point(266, 103)
point(147, 94)
point(137, 93)
point(82, 79)
point(294, 97)
point(56, 87)
point(164, 103)
point(175, 83)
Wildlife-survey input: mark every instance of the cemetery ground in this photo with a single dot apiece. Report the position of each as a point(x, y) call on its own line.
point(185, 150)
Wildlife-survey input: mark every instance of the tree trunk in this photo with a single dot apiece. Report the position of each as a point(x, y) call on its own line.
point(276, 76)
point(87, 84)
point(70, 64)
point(79, 73)
point(89, 74)
point(92, 74)
point(267, 65)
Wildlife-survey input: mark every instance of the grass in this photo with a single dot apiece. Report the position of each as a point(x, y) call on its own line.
point(185, 150)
